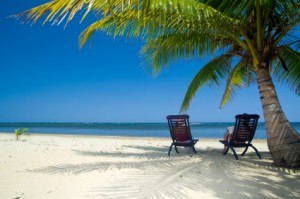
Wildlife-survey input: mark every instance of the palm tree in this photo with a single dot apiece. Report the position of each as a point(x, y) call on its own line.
point(252, 41)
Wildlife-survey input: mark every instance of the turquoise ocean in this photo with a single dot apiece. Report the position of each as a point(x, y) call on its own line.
point(199, 130)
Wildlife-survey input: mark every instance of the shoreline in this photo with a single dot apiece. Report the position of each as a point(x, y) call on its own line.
point(111, 136)
point(203, 129)
point(90, 167)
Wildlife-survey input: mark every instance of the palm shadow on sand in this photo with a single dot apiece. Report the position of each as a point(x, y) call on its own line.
point(152, 174)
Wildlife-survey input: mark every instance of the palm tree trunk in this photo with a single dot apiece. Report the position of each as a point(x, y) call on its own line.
point(283, 140)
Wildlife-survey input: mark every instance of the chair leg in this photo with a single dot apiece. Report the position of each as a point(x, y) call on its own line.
point(170, 149)
point(176, 149)
point(257, 153)
point(226, 148)
point(245, 151)
point(234, 153)
point(192, 150)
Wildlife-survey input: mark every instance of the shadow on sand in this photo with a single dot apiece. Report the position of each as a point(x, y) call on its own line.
point(150, 173)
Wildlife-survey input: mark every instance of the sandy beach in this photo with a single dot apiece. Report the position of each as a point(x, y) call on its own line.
point(60, 166)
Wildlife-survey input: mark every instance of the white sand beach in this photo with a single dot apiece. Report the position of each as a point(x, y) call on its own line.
point(61, 166)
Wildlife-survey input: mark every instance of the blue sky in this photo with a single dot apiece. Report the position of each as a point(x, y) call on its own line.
point(45, 77)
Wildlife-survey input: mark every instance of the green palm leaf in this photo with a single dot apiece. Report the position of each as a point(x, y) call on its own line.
point(240, 76)
point(151, 18)
point(161, 51)
point(210, 74)
point(291, 77)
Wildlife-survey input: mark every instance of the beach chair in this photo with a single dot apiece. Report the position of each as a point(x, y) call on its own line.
point(179, 127)
point(243, 133)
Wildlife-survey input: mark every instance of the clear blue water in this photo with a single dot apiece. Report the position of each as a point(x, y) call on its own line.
point(205, 130)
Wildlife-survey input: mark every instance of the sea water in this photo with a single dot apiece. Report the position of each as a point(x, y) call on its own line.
point(199, 130)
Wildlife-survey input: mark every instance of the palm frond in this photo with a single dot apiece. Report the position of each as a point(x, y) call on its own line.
point(285, 17)
point(161, 51)
point(210, 74)
point(240, 76)
point(291, 58)
point(56, 10)
point(147, 18)
point(240, 10)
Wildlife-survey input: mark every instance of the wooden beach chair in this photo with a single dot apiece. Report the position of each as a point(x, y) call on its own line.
point(243, 133)
point(179, 127)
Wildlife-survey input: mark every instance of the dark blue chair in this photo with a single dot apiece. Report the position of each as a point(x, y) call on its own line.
point(243, 133)
point(181, 133)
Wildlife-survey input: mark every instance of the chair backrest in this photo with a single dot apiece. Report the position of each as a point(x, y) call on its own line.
point(245, 127)
point(179, 127)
